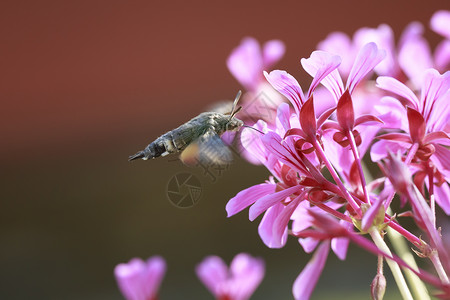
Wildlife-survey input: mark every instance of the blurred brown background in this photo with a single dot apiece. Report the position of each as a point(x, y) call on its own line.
point(84, 84)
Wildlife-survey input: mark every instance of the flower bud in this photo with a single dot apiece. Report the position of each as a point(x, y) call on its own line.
point(378, 287)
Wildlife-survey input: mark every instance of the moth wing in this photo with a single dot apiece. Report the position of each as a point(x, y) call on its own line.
point(208, 149)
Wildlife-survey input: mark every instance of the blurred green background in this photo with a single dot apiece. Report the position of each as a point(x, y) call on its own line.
point(87, 83)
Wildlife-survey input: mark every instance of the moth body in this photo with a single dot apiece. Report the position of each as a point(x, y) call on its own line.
point(204, 130)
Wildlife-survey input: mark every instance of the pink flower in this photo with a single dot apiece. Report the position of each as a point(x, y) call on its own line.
point(427, 130)
point(248, 61)
point(140, 280)
point(440, 22)
point(235, 283)
point(368, 57)
point(291, 145)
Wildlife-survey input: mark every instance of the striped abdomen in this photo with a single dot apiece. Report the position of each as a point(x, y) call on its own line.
point(171, 142)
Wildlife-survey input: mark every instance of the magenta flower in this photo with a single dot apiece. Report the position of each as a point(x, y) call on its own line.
point(248, 61)
point(140, 280)
point(235, 283)
point(296, 171)
point(440, 22)
point(427, 131)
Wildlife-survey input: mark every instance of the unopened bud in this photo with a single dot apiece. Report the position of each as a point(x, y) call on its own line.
point(378, 287)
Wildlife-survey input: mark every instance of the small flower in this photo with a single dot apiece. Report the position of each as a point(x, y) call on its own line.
point(440, 22)
point(140, 280)
point(248, 61)
point(235, 283)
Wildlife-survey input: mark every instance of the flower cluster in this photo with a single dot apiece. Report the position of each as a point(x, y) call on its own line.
point(368, 96)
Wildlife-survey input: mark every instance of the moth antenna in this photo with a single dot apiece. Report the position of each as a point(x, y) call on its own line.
point(232, 113)
point(235, 112)
point(253, 128)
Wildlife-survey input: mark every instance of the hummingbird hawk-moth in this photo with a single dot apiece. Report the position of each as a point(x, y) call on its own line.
point(198, 139)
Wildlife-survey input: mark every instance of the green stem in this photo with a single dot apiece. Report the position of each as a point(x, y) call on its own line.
point(395, 269)
point(418, 288)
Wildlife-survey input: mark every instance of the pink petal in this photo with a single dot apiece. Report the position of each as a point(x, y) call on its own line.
point(281, 222)
point(247, 197)
point(411, 32)
point(371, 214)
point(415, 57)
point(392, 113)
point(340, 157)
point(324, 71)
point(338, 43)
point(368, 134)
point(368, 57)
point(439, 117)
point(138, 279)
point(441, 159)
point(327, 101)
point(308, 244)
point(228, 137)
point(268, 201)
point(265, 228)
point(129, 279)
point(246, 63)
point(247, 273)
point(396, 87)
point(380, 149)
point(288, 86)
point(434, 86)
point(340, 245)
point(300, 217)
point(251, 141)
point(383, 36)
point(307, 280)
point(273, 51)
point(272, 142)
point(440, 22)
point(212, 271)
point(439, 137)
point(442, 194)
point(322, 66)
point(156, 269)
point(442, 55)
point(283, 119)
